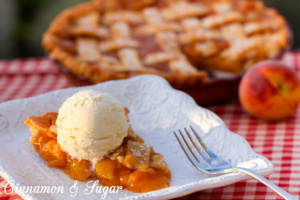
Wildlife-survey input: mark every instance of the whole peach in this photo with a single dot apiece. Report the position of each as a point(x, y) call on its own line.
point(270, 90)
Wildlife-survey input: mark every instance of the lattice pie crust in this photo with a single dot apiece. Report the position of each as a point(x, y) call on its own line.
point(178, 40)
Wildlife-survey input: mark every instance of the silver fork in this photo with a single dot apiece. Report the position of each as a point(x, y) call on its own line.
point(208, 162)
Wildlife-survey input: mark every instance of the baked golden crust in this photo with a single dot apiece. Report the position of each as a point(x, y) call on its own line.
point(178, 40)
point(133, 164)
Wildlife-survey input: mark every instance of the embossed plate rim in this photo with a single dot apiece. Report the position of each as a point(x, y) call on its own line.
point(164, 97)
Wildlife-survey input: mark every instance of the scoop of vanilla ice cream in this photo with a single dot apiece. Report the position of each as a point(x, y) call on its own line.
point(91, 124)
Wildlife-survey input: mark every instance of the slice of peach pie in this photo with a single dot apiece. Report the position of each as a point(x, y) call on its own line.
point(81, 148)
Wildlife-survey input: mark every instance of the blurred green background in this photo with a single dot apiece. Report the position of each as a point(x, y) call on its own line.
point(22, 23)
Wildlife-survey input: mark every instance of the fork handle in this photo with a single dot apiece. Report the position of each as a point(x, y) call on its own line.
point(265, 181)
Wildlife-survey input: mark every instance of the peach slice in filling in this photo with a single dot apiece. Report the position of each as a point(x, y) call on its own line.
point(134, 165)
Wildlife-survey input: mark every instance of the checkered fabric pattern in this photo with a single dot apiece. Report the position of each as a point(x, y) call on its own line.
point(28, 77)
point(279, 142)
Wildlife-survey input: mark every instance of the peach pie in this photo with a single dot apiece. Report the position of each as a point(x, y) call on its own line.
point(132, 164)
point(176, 39)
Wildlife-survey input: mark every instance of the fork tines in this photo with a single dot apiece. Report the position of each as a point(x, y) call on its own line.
point(189, 150)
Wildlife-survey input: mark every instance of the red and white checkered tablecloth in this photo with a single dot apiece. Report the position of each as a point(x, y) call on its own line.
point(279, 142)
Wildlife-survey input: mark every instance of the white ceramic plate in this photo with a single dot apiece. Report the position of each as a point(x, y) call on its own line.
point(156, 110)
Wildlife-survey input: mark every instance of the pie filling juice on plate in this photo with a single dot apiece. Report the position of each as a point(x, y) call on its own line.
point(90, 137)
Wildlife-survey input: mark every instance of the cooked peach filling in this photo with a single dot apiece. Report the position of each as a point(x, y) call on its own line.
point(133, 165)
